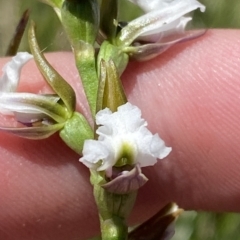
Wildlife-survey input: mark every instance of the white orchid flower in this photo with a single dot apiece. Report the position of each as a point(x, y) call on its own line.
point(123, 140)
point(162, 25)
point(40, 115)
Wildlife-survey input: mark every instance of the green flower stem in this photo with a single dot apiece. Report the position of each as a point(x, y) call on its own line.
point(85, 62)
point(80, 20)
point(113, 209)
point(114, 228)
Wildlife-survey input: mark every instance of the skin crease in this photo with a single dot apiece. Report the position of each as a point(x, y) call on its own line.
point(190, 95)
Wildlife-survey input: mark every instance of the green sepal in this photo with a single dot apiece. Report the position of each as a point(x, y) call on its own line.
point(34, 133)
point(110, 92)
point(113, 208)
point(75, 131)
point(108, 20)
point(80, 20)
point(54, 79)
point(109, 51)
point(86, 65)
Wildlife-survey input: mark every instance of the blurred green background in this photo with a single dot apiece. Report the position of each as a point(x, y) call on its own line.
point(50, 35)
point(220, 13)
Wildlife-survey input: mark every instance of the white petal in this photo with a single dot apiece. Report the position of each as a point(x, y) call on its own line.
point(103, 116)
point(158, 147)
point(94, 152)
point(151, 5)
point(126, 119)
point(145, 157)
point(130, 117)
point(159, 20)
point(11, 72)
point(168, 32)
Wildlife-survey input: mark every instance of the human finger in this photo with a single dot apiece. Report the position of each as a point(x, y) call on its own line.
point(188, 99)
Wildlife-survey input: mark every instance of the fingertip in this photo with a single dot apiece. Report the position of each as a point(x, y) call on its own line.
point(190, 96)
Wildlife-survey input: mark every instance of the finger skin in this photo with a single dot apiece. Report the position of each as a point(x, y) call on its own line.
point(190, 95)
point(195, 106)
